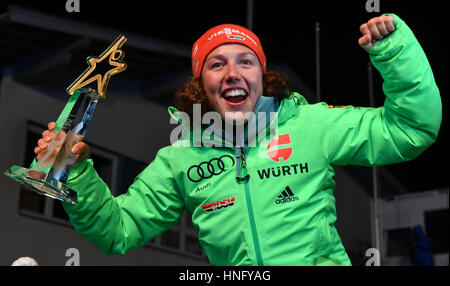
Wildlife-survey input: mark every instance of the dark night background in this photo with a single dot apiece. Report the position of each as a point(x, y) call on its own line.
point(286, 29)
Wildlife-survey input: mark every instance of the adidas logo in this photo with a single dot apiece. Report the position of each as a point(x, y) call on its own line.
point(286, 196)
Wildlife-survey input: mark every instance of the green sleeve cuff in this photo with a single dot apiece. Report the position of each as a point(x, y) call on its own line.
point(79, 169)
point(391, 44)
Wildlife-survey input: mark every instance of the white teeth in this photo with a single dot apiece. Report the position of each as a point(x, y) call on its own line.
point(235, 92)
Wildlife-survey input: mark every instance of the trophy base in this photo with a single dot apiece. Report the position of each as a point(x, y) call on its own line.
point(41, 184)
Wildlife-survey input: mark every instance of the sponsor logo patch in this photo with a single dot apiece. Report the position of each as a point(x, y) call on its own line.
point(207, 169)
point(336, 106)
point(286, 196)
point(236, 37)
point(280, 153)
point(219, 204)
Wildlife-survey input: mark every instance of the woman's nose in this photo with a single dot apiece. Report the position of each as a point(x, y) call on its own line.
point(232, 74)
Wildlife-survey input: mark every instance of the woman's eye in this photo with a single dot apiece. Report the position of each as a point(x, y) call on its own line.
point(246, 62)
point(216, 65)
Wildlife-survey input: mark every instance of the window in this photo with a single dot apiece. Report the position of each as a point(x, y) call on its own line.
point(31, 204)
point(436, 229)
point(399, 242)
point(193, 246)
point(36, 206)
point(128, 170)
point(181, 238)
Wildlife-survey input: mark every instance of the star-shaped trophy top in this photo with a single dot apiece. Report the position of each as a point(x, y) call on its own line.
point(115, 55)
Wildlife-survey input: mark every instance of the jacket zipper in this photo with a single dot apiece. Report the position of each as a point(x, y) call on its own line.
point(244, 180)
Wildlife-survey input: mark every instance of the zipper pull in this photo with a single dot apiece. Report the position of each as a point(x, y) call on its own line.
point(241, 161)
point(243, 179)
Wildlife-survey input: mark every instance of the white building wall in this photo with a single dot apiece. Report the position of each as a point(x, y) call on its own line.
point(407, 211)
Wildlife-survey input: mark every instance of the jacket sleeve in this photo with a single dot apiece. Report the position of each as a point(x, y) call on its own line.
point(115, 225)
point(410, 119)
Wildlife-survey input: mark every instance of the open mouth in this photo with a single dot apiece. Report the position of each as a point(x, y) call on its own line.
point(235, 95)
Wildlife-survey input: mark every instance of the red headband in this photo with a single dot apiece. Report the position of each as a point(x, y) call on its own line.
point(227, 33)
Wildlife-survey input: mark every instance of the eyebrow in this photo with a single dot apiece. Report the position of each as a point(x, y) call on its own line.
point(239, 55)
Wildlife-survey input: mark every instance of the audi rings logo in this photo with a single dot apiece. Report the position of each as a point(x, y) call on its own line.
point(207, 169)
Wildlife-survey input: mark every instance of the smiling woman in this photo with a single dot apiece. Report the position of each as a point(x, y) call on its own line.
point(273, 200)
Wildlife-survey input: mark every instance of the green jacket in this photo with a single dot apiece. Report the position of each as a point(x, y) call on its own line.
point(283, 212)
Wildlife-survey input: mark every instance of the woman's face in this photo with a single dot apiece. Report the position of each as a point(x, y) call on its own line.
point(233, 80)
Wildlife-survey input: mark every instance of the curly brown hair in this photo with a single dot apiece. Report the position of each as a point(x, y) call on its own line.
point(275, 84)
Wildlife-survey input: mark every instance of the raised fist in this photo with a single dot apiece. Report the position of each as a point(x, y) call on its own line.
point(375, 30)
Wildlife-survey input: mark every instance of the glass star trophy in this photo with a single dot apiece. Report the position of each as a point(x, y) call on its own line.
point(49, 172)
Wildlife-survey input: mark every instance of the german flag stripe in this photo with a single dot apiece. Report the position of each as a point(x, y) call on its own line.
point(219, 204)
